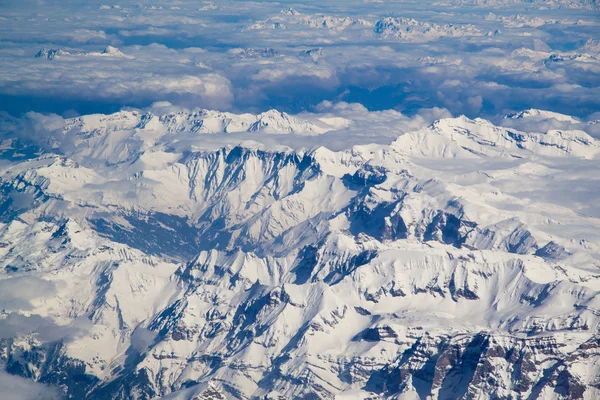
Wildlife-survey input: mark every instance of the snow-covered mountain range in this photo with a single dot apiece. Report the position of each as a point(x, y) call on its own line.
point(418, 31)
point(291, 17)
point(51, 54)
point(538, 4)
point(461, 260)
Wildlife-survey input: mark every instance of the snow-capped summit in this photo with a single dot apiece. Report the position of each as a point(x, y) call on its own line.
point(201, 121)
point(290, 11)
point(208, 6)
point(266, 52)
point(274, 121)
point(463, 137)
point(51, 54)
point(290, 17)
point(410, 29)
point(121, 136)
point(315, 53)
point(541, 114)
point(109, 51)
point(112, 51)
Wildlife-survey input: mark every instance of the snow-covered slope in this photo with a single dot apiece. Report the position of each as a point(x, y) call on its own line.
point(203, 121)
point(460, 261)
point(541, 114)
point(127, 135)
point(461, 137)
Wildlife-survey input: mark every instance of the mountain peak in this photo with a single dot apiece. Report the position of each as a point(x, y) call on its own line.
point(274, 121)
point(541, 114)
point(51, 54)
point(464, 137)
point(113, 51)
point(289, 11)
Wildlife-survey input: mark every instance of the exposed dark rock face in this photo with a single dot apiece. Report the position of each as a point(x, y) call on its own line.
point(479, 365)
point(48, 364)
point(377, 334)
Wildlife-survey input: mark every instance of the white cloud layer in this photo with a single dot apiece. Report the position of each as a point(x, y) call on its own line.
point(16, 388)
point(484, 60)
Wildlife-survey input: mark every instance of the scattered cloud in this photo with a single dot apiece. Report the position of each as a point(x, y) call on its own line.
point(16, 293)
point(472, 60)
point(17, 296)
point(14, 387)
point(141, 339)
